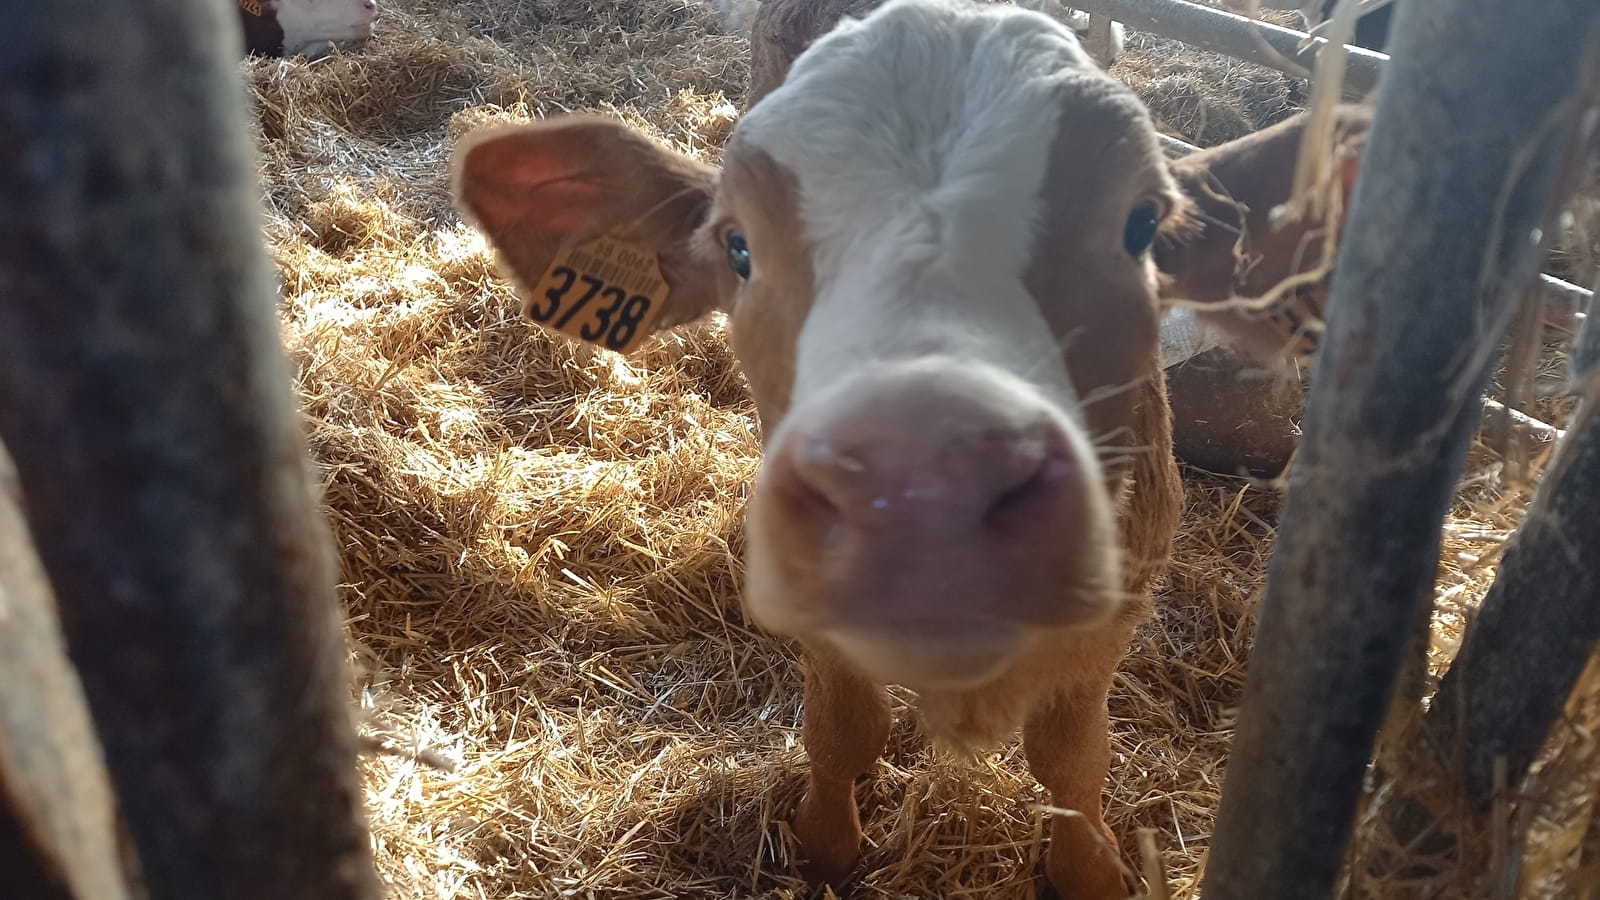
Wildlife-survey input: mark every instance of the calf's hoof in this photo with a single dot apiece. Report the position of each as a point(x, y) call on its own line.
point(830, 844)
point(1100, 879)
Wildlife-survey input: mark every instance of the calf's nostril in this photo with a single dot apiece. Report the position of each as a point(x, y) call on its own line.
point(811, 477)
point(1015, 505)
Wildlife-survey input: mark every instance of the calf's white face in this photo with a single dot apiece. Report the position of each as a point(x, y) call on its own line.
point(933, 495)
point(933, 239)
point(311, 26)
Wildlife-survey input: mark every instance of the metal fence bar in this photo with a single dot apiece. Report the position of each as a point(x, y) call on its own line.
point(1241, 37)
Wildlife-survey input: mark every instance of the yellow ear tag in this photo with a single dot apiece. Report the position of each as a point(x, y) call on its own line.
point(253, 7)
point(606, 292)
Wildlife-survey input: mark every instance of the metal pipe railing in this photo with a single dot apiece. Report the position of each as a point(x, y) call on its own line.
point(1241, 37)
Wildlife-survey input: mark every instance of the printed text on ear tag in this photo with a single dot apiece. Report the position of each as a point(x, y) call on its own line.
point(605, 291)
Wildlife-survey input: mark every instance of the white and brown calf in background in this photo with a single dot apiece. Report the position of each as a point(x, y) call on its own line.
point(303, 27)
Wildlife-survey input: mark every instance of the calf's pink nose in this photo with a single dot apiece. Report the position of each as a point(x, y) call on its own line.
point(927, 527)
point(898, 478)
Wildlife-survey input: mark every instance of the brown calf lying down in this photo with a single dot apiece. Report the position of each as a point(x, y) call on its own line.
point(780, 30)
point(1235, 409)
point(934, 239)
point(1231, 415)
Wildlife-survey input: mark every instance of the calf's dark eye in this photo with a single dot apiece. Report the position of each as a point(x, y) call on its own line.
point(1140, 232)
point(738, 254)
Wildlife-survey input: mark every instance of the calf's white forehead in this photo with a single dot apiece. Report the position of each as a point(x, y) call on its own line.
point(940, 108)
point(920, 137)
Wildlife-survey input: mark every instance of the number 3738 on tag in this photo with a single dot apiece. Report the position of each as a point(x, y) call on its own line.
point(606, 292)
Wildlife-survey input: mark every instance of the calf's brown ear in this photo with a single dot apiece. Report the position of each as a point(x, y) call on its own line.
point(539, 189)
point(1230, 247)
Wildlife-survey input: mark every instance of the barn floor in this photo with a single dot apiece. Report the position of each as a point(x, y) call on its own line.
point(540, 542)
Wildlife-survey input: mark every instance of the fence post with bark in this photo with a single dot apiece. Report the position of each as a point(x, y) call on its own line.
point(1472, 118)
point(145, 399)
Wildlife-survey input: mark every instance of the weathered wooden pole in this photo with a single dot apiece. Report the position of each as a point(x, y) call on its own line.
point(58, 832)
point(1533, 635)
point(146, 402)
point(1444, 232)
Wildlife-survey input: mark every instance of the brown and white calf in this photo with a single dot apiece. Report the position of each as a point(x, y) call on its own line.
point(303, 27)
point(935, 242)
point(1231, 414)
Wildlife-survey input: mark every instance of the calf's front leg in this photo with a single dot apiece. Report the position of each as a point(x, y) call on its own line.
point(1067, 743)
point(845, 729)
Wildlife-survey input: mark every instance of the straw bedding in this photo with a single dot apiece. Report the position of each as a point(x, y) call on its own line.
point(541, 541)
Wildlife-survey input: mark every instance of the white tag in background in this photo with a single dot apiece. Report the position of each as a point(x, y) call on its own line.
point(1184, 336)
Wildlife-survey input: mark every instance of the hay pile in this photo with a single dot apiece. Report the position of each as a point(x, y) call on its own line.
point(1208, 98)
point(540, 541)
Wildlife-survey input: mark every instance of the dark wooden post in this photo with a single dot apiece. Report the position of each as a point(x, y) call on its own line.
point(1532, 637)
point(1540, 623)
point(1475, 110)
point(58, 832)
point(146, 402)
